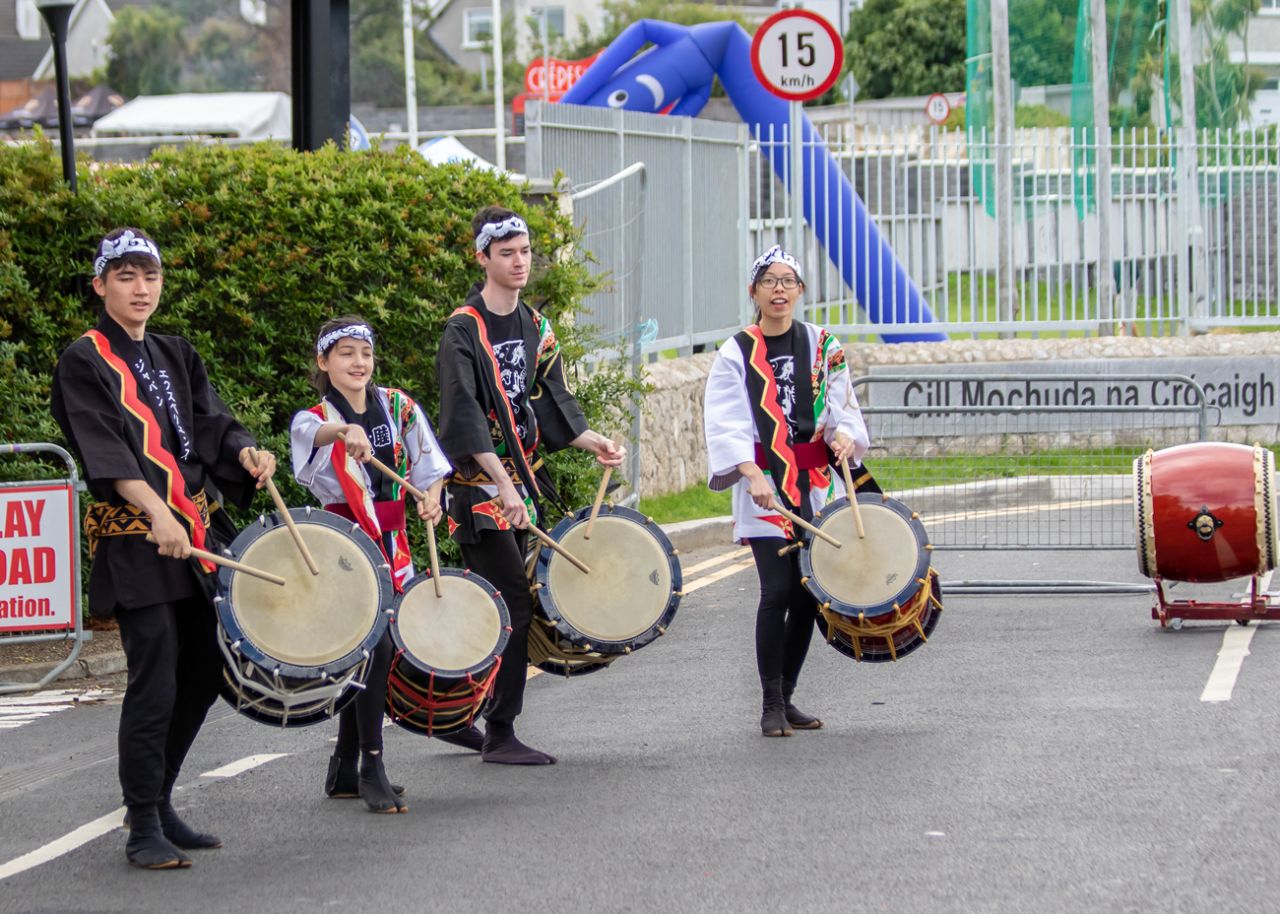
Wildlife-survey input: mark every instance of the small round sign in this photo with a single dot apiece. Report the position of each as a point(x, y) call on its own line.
point(937, 108)
point(797, 55)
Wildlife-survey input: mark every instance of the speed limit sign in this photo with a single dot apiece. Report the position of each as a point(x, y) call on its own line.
point(797, 55)
point(937, 108)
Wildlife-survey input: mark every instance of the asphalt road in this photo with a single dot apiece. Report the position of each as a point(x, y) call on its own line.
point(1040, 754)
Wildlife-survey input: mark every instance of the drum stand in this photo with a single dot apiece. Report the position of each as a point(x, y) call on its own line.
point(1259, 606)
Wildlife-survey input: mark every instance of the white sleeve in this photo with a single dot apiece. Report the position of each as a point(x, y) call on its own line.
point(843, 414)
point(308, 460)
point(727, 422)
point(427, 462)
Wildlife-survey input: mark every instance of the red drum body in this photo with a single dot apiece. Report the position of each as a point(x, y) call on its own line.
point(1205, 512)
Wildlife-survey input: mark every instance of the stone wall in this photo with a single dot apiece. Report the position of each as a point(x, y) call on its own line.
point(673, 456)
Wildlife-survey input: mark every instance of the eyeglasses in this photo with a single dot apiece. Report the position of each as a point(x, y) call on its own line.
point(769, 282)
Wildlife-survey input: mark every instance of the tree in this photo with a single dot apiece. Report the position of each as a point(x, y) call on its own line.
point(147, 50)
point(907, 47)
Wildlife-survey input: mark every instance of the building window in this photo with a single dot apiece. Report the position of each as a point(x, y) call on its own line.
point(477, 27)
point(28, 19)
point(555, 21)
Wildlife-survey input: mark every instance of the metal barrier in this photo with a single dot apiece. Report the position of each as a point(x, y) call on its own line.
point(984, 458)
point(39, 557)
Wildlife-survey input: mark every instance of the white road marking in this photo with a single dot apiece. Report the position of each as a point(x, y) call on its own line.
point(1235, 647)
point(243, 765)
point(18, 710)
point(1022, 509)
point(720, 575)
point(64, 845)
point(717, 560)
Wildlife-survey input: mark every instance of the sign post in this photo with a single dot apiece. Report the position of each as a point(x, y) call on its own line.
point(797, 55)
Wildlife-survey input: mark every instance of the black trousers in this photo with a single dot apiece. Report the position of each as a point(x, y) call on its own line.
point(785, 617)
point(175, 669)
point(499, 559)
point(360, 722)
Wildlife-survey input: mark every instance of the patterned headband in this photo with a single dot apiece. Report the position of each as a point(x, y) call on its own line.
point(774, 255)
point(110, 249)
point(496, 231)
point(355, 331)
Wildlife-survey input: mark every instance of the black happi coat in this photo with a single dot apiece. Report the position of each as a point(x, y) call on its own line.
point(127, 571)
point(474, 417)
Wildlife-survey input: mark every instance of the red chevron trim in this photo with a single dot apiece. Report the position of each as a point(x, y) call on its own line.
point(153, 443)
point(513, 447)
point(757, 359)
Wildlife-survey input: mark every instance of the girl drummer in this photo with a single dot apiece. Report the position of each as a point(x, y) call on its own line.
point(779, 415)
point(332, 443)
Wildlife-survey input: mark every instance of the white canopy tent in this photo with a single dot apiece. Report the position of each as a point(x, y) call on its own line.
point(250, 115)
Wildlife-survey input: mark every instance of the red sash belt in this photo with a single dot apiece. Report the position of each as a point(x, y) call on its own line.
point(810, 455)
point(390, 514)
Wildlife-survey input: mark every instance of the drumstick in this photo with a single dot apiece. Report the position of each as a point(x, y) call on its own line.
point(230, 563)
point(853, 497)
point(421, 496)
point(556, 547)
point(283, 509)
point(595, 506)
point(435, 558)
point(801, 522)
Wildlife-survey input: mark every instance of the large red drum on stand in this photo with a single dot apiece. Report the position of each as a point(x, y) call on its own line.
point(1205, 512)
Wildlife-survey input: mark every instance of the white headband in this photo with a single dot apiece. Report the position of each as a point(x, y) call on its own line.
point(774, 255)
point(495, 231)
point(355, 331)
point(110, 249)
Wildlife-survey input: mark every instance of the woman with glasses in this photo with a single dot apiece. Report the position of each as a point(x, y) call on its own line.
point(779, 417)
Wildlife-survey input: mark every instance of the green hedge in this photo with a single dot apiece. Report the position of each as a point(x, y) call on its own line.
point(261, 244)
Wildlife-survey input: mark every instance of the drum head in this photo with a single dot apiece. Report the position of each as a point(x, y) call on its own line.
point(314, 619)
point(869, 574)
point(630, 584)
point(455, 633)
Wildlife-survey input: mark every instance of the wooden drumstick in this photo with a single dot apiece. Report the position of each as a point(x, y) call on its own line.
point(595, 506)
point(853, 497)
point(435, 558)
point(556, 547)
point(420, 496)
point(283, 510)
point(231, 563)
point(801, 522)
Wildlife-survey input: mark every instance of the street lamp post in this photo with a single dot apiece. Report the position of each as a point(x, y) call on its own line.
point(57, 15)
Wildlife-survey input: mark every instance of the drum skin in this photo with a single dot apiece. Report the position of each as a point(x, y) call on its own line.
point(312, 631)
point(880, 588)
point(448, 649)
point(585, 621)
point(1205, 512)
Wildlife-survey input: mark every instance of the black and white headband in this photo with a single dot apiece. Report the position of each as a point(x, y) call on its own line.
point(110, 249)
point(355, 331)
point(496, 231)
point(774, 255)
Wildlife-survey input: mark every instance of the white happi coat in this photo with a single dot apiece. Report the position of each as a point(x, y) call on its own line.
point(313, 466)
point(731, 433)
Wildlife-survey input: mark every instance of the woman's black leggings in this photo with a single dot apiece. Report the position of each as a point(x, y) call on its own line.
point(784, 621)
point(360, 722)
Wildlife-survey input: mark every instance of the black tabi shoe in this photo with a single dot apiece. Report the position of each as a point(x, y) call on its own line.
point(343, 780)
point(147, 847)
point(773, 720)
point(182, 834)
point(797, 718)
point(375, 789)
point(502, 748)
point(470, 738)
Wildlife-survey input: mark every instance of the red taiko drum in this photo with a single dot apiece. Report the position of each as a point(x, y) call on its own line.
point(1205, 512)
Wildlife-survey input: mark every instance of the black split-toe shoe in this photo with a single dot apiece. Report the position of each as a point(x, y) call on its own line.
point(376, 791)
point(147, 847)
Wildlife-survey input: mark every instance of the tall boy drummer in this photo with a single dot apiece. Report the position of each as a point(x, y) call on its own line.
point(502, 393)
point(151, 433)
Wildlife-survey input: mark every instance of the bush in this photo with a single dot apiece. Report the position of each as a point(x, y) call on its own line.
point(261, 244)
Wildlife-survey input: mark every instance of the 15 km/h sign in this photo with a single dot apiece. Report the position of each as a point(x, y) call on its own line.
point(797, 55)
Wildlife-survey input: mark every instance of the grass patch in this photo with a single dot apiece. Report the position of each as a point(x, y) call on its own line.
point(691, 504)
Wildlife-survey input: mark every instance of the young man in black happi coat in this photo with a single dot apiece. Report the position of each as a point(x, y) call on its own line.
point(502, 393)
point(155, 442)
